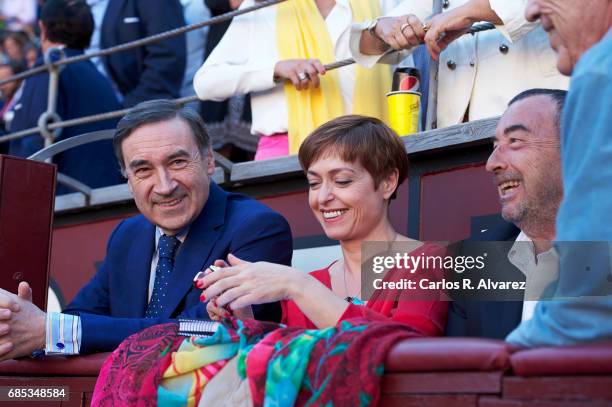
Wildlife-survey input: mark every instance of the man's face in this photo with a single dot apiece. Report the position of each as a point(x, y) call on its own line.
point(526, 164)
point(572, 26)
point(167, 174)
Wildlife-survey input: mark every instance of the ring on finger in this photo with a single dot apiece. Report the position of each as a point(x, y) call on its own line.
point(403, 27)
point(302, 76)
point(425, 27)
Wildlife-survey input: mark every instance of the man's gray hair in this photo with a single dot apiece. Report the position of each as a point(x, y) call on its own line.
point(156, 111)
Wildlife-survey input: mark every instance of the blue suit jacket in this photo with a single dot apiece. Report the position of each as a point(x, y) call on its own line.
point(154, 71)
point(487, 319)
point(112, 305)
point(82, 91)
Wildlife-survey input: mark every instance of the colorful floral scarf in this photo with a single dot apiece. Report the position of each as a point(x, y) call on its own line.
point(340, 365)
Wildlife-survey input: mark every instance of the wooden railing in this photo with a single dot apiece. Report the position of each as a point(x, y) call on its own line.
point(236, 176)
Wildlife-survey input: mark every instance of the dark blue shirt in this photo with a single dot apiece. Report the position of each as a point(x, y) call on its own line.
point(82, 91)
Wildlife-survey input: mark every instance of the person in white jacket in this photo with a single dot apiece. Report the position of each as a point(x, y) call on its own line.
point(247, 60)
point(478, 74)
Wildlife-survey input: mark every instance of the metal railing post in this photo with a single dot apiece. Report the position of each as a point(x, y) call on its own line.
point(431, 122)
point(51, 116)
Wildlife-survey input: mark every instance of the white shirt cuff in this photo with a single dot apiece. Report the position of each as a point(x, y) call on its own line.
point(63, 334)
point(512, 13)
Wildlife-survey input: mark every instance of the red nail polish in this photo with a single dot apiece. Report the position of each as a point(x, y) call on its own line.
point(202, 298)
point(199, 284)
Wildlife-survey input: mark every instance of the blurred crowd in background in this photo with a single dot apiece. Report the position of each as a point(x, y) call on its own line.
point(253, 75)
point(19, 46)
point(21, 49)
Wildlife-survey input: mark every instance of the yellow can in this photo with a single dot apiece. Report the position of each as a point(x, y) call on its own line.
point(404, 110)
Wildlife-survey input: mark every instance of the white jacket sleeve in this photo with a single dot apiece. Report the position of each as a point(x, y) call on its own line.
point(243, 61)
point(421, 8)
point(512, 13)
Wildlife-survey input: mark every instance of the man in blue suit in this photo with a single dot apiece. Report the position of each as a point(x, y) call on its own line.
point(186, 223)
point(82, 91)
point(154, 71)
point(526, 166)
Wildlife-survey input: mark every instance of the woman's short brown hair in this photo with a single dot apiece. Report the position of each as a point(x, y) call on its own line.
point(362, 139)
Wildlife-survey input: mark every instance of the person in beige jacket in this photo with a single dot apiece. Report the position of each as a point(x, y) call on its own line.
point(478, 74)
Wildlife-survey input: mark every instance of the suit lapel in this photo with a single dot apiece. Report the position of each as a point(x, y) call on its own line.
point(139, 270)
point(194, 253)
point(107, 31)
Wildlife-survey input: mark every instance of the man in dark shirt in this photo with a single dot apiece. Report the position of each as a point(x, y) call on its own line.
point(153, 71)
point(82, 91)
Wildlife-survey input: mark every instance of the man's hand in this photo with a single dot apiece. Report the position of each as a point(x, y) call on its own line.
point(22, 324)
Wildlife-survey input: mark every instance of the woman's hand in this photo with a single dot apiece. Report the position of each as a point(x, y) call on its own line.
point(216, 313)
point(446, 28)
point(245, 283)
point(301, 72)
point(402, 32)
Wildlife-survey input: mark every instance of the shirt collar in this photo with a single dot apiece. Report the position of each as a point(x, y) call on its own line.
point(180, 236)
point(523, 254)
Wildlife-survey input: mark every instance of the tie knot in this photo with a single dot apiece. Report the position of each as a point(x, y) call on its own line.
point(167, 246)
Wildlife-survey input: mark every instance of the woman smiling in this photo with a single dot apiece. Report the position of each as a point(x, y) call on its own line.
point(354, 165)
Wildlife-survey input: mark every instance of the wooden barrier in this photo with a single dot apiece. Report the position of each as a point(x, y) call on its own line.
point(430, 372)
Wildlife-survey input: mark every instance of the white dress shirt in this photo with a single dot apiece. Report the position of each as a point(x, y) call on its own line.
point(243, 62)
point(158, 232)
point(194, 12)
point(539, 270)
point(98, 10)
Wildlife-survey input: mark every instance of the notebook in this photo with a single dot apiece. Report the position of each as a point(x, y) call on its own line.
point(197, 327)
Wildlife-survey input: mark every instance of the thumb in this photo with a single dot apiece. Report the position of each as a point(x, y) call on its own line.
point(24, 291)
point(234, 261)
